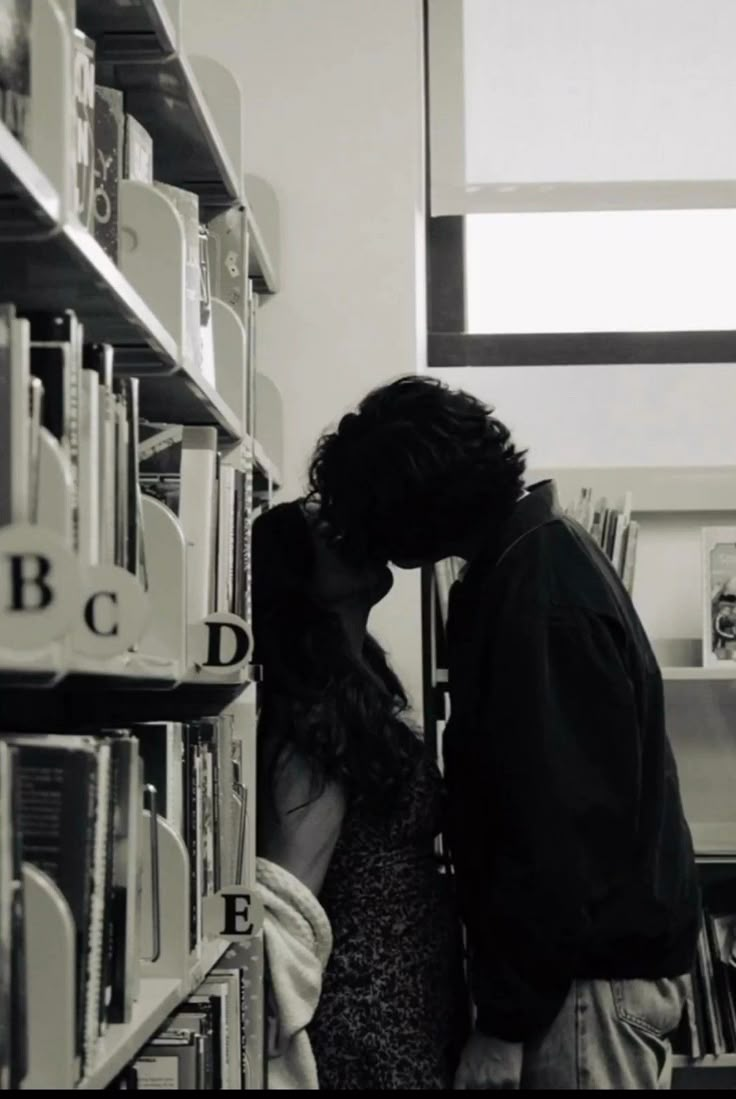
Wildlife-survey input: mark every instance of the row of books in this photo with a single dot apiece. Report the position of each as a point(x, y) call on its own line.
point(203, 1045)
point(108, 144)
point(72, 806)
point(709, 1026)
point(60, 400)
point(612, 528)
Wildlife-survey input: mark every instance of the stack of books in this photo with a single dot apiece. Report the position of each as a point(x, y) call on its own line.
point(612, 528)
point(72, 806)
point(710, 1024)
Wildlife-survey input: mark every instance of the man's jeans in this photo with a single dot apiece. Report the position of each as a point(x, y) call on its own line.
point(609, 1035)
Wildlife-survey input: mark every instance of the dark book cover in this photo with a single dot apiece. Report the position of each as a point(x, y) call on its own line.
point(109, 893)
point(58, 790)
point(15, 67)
point(109, 139)
point(84, 146)
point(128, 390)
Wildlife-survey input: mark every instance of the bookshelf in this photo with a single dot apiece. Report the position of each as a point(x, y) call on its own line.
point(671, 506)
point(160, 678)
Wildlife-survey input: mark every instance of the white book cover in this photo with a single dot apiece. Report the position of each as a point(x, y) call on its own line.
point(232, 979)
point(719, 597)
point(175, 776)
point(225, 538)
point(198, 516)
point(89, 470)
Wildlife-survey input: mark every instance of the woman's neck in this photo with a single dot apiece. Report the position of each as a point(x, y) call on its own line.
point(354, 617)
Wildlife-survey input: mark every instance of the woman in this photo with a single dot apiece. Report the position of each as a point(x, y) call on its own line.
point(350, 803)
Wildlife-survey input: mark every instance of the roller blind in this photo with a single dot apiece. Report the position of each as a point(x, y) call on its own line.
point(581, 104)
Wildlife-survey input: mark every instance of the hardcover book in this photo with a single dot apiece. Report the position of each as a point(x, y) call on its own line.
point(109, 137)
point(84, 133)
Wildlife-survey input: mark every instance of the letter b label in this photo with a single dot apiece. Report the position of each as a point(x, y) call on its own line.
point(39, 587)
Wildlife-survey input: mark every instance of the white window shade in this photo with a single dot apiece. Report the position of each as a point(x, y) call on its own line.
point(581, 104)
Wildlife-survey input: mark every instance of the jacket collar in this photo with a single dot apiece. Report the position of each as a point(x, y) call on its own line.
point(539, 506)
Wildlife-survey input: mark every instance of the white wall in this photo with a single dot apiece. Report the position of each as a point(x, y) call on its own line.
point(333, 121)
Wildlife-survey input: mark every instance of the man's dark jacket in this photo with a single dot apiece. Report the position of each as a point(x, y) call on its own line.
point(572, 854)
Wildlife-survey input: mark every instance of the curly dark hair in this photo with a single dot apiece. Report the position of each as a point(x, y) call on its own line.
point(415, 471)
point(343, 715)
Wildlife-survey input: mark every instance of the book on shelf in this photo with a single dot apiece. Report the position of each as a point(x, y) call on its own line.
point(138, 164)
point(72, 805)
point(186, 205)
point(83, 83)
point(13, 1016)
point(612, 528)
point(109, 145)
point(229, 245)
point(180, 466)
point(719, 596)
point(15, 67)
point(18, 427)
point(709, 1024)
point(207, 335)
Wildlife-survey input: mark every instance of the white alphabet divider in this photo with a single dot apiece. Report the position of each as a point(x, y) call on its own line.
point(219, 650)
point(231, 354)
point(125, 630)
point(40, 587)
point(150, 227)
point(223, 100)
point(264, 225)
point(50, 984)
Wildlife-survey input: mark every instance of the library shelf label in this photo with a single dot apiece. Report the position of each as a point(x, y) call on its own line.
point(39, 587)
point(115, 612)
point(234, 915)
point(220, 643)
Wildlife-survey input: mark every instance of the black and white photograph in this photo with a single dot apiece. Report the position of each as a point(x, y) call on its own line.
point(367, 545)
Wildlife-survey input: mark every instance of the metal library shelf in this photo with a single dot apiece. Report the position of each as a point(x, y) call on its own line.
point(159, 997)
point(140, 51)
point(28, 202)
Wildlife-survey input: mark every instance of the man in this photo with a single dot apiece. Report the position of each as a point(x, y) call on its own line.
point(574, 864)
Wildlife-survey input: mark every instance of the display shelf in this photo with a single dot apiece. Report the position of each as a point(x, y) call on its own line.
point(725, 1061)
point(184, 398)
point(166, 97)
point(653, 489)
point(71, 271)
point(28, 202)
point(141, 28)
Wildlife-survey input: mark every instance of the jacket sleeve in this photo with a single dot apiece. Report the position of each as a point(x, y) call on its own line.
point(562, 749)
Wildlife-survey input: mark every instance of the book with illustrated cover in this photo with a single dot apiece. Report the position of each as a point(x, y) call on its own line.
point(719, 596)
point(138, 161)
point(109, 141)
point(15, 67)
point(84, 128)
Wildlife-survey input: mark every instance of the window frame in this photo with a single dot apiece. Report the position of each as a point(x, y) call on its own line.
point(451, 345)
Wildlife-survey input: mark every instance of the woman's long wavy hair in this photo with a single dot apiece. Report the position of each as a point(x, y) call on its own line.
point(341, 714)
